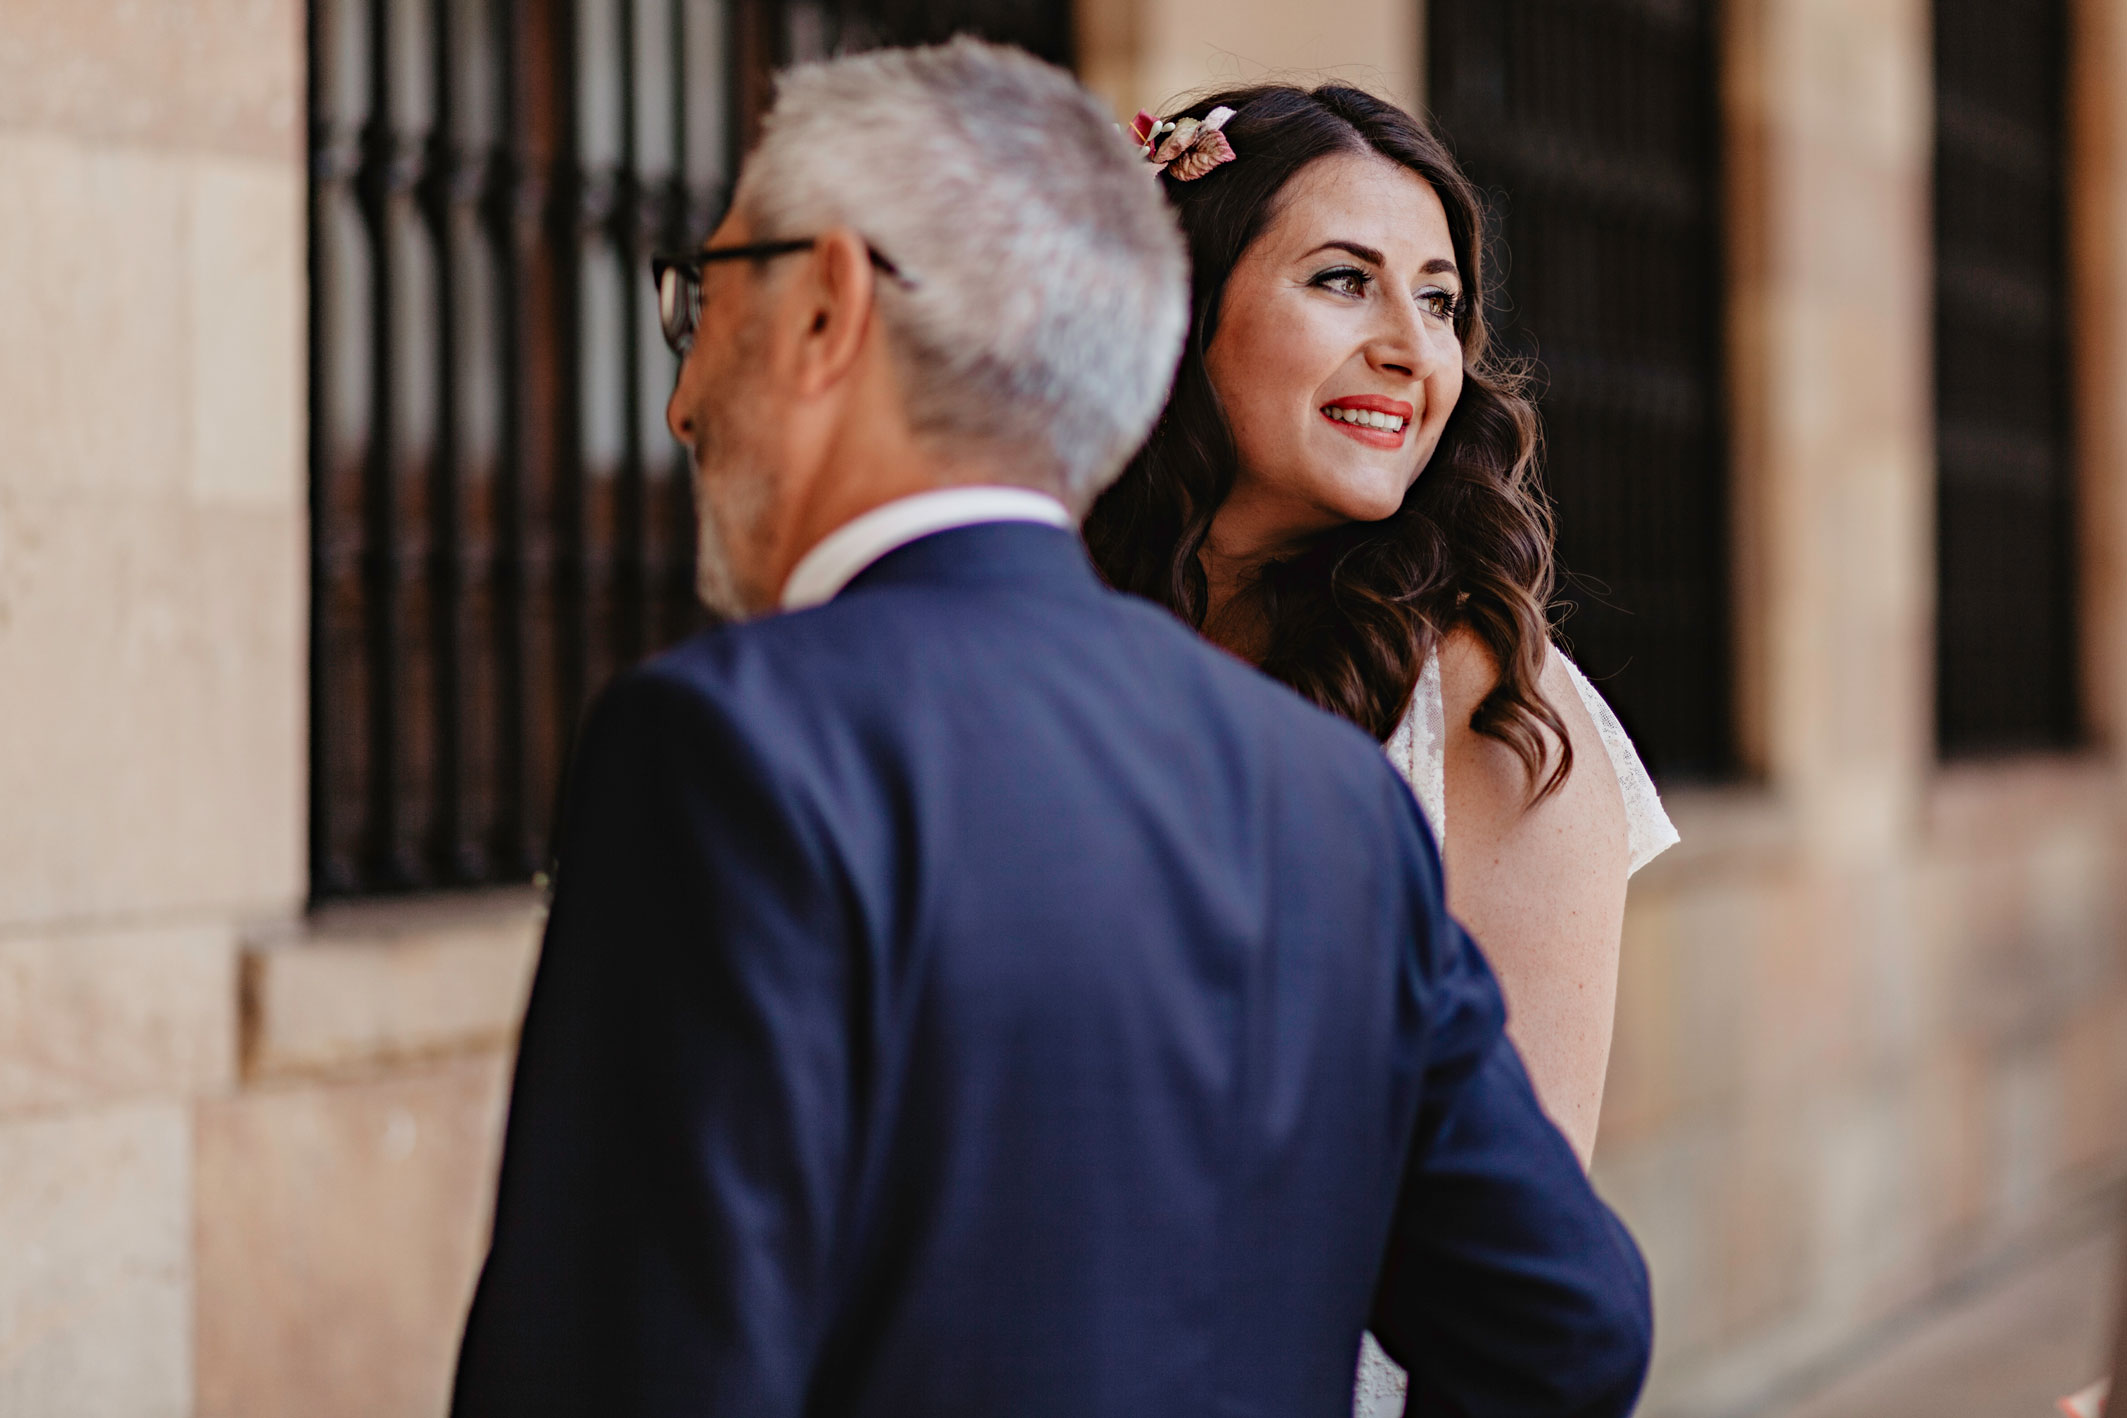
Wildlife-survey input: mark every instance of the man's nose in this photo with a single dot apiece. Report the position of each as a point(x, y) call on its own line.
point(677, 419)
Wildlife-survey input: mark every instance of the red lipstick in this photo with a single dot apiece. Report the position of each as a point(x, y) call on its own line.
point(1340, 413)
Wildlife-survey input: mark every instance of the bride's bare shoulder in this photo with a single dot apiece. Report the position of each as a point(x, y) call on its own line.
point(1487, 782)
point(1542, 885)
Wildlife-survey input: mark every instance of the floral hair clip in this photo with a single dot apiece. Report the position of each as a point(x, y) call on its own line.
point(1186, 148)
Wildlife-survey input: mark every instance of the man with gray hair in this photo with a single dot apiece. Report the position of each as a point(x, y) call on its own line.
point(1000, 299)
point(966, 991)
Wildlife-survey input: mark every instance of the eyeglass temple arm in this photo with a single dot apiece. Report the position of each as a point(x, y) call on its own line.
point(694, 261)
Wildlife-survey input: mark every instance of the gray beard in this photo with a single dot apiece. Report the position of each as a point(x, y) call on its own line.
point(738, 507)
point(734, 494)
point(715, 583)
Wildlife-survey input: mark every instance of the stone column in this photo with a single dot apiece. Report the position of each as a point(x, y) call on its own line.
point(151, 646)
point(1762, 1128)
point(1145, 53)
point(1828, 105)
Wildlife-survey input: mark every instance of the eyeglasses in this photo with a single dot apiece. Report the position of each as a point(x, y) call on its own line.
point(678, 276)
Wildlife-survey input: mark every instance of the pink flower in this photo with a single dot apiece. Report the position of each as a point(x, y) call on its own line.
point(1186, 148)
point(1143, 128)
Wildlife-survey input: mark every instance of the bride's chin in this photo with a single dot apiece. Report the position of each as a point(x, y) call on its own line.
point(1370, 502)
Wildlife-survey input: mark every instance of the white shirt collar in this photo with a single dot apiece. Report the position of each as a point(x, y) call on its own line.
point(843, 554)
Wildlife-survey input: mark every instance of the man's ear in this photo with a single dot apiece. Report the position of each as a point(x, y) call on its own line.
point(833, 308)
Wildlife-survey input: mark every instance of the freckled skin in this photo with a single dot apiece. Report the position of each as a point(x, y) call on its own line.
point(1541, 887)
point(1287, 344)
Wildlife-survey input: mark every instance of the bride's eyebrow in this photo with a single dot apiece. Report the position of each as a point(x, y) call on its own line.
point(1438, 266)
point(1364, 253)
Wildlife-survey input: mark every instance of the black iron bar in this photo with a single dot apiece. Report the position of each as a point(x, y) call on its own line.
point(380, 552)
point(572, 583)
point(328, 874)
point(438, 201)
point(510, 847)
point(673, 578)
point(631, 604)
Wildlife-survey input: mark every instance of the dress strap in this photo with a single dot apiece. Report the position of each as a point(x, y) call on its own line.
point(1419, 750)
point(1649, 830)
point(1419, 747)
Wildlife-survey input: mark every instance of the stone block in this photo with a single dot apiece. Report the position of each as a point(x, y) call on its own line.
point(1854, 73)
point(1810, 1003)
point(95, 364)
point(212, 75)
point(1195, 45)
point(2093, 1067)
point(1662, 1189)
point(2025, 1139)
point(2009, 1344)
point(1640, 1094)
point(2027, 915)
point(391, 982)
point(1951, 1106)
point(340, 1231)
point(1738, 938)
point(245, 243)
point(151, 612)
point(152, 733)
point(95, 1264)
point(1861, 1170)
point(98, 1017)
point(1690, 1000)
point(1758, 1223)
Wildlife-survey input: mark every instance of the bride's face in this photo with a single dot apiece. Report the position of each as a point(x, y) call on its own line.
point(1336, 358)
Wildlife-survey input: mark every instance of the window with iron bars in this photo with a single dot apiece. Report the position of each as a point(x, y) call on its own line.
point(1593, 127)
point(2006, 641)
point(499, 520)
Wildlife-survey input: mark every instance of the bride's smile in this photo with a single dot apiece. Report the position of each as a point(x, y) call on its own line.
point(1373, 420)
point(1335, 356)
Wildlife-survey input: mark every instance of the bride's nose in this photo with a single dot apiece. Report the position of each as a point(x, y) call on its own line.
point(1397, 346)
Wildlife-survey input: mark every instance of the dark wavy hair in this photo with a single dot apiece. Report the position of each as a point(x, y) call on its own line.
point(1353, 615)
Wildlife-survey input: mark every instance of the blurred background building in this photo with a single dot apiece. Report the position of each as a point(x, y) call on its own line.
point(333, 480)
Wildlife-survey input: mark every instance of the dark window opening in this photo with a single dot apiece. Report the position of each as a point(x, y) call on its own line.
point(2006, 672)
point(1593, 127)
point(499, 520)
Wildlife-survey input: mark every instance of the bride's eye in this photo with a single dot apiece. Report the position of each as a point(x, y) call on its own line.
point(1440, 304)
point(1344, 280)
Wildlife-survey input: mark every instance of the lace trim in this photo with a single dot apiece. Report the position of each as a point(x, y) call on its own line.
point(1419, 749)
point(1379, 1390)
point(1649, 832)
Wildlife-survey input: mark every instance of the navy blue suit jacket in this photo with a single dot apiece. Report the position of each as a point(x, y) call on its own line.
point(979, 996)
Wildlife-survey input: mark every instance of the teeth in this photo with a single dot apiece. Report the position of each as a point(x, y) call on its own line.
point(1367, 418)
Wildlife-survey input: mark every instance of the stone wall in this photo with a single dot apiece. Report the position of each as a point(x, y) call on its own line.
point(151, 649)
point(241, 1172)
point(1840, 1085)
point(1873, 1022)
point(341, 1193)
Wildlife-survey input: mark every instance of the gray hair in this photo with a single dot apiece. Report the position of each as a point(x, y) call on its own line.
point(1049, 285)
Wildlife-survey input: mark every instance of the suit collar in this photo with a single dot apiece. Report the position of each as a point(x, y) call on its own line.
point(1026, 554)
point(843, 553)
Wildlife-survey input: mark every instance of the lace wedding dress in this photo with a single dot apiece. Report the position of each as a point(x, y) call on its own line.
point(1418, 748)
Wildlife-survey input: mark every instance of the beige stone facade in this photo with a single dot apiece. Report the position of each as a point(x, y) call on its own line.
point(1873, 1024)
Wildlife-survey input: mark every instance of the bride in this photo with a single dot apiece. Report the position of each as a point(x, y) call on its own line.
point(1342, 491)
